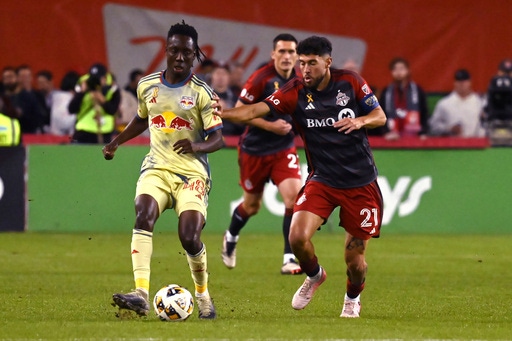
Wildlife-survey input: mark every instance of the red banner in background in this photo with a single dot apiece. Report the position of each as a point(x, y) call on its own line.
point(437, 37)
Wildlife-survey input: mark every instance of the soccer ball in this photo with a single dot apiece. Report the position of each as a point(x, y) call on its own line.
point(173, 303)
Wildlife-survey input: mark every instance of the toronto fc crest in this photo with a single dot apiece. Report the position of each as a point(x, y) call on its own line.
point(342, 99)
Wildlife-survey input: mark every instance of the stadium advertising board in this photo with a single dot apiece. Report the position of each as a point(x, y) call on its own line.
point(12, 189)
point(425, 191)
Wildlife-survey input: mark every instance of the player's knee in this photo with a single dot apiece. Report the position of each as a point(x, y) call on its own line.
point(252, 208)
point(145, 221)
point(297, 239)
point(191, 243)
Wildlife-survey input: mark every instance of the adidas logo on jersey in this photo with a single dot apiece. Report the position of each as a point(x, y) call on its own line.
point(310, 106)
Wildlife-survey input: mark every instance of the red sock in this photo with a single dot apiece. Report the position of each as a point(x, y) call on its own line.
point(353, 290)
point(310, 267)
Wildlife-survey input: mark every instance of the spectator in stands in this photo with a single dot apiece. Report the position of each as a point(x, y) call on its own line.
point(25, 78)
point(133, 79)
point(96, 103)
point(10, 130)
point(26, 106)
point(220, 84)
point(505, 68)
point(498, 103)
point(128, 105)
point(44, 92)
point(498, 106)
point(236, 77)
point(62, 122)
point(459, 113)
point(205, 69)
point(404, 102)
point(69, 81)
point(352, 65)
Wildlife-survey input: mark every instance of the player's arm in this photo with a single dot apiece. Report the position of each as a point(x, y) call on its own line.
point(211, 144)
point(136, 127)
point(244, 113)
point(373, 119)
point(279, 127)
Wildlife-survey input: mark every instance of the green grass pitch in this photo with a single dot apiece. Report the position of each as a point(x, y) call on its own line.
point(59, 286)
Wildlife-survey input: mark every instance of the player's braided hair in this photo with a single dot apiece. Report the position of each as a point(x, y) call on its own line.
point(189, 31)
point(315, 45)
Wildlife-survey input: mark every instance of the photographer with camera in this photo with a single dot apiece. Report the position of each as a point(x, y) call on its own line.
point(95, 103)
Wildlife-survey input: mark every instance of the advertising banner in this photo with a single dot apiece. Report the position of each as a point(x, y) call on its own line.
point(12, 189)
point(425, 191)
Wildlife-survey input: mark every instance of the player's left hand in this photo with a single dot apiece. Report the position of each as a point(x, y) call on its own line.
point(184, 147)
point(348, 125)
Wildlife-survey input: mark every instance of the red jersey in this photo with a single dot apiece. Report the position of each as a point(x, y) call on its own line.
point(261, 84)
point(337, 159)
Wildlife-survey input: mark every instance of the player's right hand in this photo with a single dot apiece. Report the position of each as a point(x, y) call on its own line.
point(281, 127)
point(109, 150)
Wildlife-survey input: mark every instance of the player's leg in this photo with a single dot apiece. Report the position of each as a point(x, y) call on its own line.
point(147, 212)
point(361, 216)
point(248, 207)
point(288, 189)
point(190, 225)
point(303, 227)
point(355, 249)
point(286, 174)
point(191, 204)
point(254, 173)
point(151, 198)
point(311, 210)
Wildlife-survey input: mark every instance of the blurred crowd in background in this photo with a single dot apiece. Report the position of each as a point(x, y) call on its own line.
point(91, 108)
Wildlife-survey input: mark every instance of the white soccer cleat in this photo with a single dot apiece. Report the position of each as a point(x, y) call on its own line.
point(291, 268)
point(228, 258)
point(351, 307)
point(206, 307)
point(306, 291)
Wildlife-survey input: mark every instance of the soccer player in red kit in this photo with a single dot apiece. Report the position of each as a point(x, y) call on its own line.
point(267, 152)
point(331, 110)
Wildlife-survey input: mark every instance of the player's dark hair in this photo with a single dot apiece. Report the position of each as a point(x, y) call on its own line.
point(134, 73)
point(283, 37)
point(189, 31)
point(398, 60)
point(315, 45)
point(46, 74)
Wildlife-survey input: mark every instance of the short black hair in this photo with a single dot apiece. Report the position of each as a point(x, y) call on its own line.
point(283, 37)
point(189, 31)
point(46, 74)
point(134, 73)
point(398, 60)
point(315, 45)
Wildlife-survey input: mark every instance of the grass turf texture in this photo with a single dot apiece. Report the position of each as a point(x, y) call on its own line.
point(59, 286)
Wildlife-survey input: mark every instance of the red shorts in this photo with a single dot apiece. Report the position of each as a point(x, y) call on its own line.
point(255, 171)
point(360, 208)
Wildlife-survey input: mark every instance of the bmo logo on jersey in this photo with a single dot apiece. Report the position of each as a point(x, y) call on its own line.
point(329, 121)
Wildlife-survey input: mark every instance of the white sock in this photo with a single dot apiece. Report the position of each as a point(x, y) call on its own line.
point(230, 238)
point(317, 276)
point(287, 257)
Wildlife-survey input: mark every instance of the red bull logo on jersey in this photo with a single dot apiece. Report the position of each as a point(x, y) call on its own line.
point(168, 122)
point(187, 102)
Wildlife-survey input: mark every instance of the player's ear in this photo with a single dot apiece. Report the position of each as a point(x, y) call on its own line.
point(328, 62)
